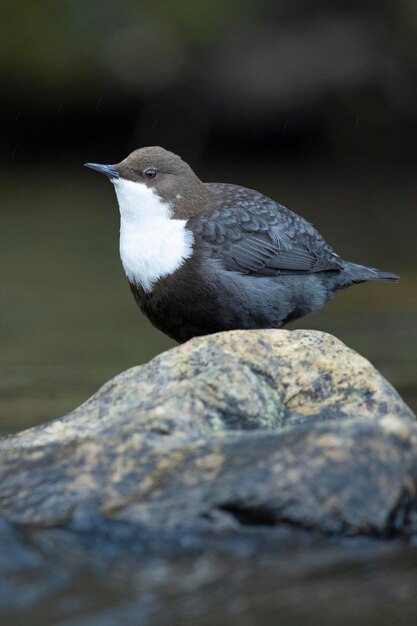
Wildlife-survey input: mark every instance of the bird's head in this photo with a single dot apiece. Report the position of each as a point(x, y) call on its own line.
point(155, 173)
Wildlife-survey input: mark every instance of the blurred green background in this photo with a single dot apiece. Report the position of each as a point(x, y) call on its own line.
point(314, 104)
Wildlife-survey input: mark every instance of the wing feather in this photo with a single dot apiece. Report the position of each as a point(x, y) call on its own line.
point(252, 234)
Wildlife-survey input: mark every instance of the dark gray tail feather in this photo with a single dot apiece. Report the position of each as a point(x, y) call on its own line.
point(381, 275)
point(354, 273)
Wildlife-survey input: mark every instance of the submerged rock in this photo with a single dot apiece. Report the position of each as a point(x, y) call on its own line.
point(233, 430)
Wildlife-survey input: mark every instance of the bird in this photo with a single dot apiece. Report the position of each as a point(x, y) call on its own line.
point(202, 258)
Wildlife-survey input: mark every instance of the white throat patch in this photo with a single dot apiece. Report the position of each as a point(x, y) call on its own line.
point(152, 243)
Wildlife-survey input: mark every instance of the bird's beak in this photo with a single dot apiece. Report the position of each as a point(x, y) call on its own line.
point(108, 170)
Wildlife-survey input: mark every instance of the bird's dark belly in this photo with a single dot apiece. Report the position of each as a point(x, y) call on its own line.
point(184, 305)
point(180, 309)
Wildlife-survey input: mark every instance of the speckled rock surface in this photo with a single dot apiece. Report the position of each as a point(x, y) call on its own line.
point(235, 429)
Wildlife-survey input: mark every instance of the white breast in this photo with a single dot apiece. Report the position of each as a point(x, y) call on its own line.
point(152, 243)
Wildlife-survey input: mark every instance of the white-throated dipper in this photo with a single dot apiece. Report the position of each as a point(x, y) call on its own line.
point(206, 257)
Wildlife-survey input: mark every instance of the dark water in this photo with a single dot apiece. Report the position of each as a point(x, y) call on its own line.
point(67, 318)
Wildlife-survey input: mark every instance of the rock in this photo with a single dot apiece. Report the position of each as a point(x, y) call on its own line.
point(234, 430)
point(50, 577)
point(188, 491)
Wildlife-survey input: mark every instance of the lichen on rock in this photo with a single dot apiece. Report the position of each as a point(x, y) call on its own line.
point(245, 427)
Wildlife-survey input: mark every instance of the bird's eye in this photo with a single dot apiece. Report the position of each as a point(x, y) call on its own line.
point(150, 172)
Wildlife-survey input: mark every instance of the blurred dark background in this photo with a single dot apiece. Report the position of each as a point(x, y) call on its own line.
point(315, 104)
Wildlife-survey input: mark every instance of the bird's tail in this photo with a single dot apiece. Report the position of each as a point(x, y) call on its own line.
point(355, 273)
point(381, 275)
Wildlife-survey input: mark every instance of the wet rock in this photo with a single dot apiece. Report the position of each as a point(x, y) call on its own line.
point(235, 430)
point(139, 578)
